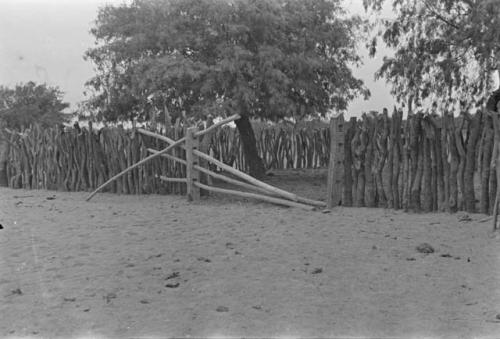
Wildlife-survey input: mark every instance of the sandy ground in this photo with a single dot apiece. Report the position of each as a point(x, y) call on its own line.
point(128, 266)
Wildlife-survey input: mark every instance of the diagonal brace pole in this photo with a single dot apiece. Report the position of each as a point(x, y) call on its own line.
point(152, 156)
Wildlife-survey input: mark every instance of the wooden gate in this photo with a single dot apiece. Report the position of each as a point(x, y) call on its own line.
point(190, 142)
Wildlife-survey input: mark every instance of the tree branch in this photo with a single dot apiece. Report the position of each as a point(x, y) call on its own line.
point(439, 16)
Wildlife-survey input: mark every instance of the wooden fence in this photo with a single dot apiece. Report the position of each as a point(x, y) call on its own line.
point(281, 146)
point(425, 163)
point(83, 159)
point(196, 163)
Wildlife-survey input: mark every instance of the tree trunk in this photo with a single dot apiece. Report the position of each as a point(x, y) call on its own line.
point(254, 162)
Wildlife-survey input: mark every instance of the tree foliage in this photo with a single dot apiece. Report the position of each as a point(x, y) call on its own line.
point(30, 103)
point(444, 48)
point(261, 58)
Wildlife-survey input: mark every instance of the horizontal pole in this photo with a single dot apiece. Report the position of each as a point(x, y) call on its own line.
point(168, 156)
point(311, 202)
point(246, 177)
point(277, 201)
point(220, 123)
point(184, 180)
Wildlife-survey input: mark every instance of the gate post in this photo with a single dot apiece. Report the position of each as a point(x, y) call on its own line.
point(335, 180)
point(192, 175)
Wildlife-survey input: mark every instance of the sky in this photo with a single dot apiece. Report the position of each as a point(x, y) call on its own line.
point(44, 41)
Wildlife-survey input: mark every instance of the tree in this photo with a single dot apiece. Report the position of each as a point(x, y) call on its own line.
point(29, 103)
point(260, 58)
point(444, 48)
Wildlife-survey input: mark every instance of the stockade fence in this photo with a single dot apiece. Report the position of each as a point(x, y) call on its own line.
point(82, 159)
point(424, 163)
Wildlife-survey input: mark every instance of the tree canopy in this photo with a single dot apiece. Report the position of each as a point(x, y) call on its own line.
point(263, 58)
point(30, 103)
point(443, 48)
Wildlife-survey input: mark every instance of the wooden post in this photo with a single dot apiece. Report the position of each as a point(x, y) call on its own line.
point(416, 145)
point(370, 126)
point(397, 150)
point(192, 175)
point(4, 154)
point(347, 199)
point(381, 143)
point(495, 163)
point(487, 148)
point(453, 190)
point(470, 162)
point(205, 141)
point(336, 166)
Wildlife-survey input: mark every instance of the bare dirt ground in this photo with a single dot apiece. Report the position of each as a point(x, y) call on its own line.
point(128, 266)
